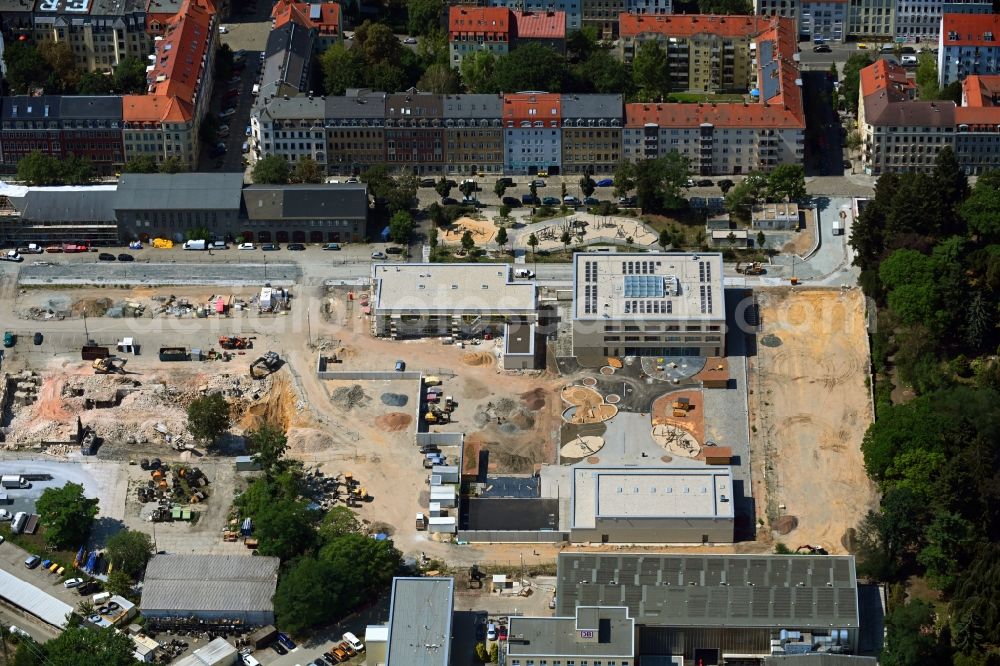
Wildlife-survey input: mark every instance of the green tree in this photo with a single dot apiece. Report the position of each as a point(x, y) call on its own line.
point(659, 182)
point(307, 170)
point(532, 243)
point(270, 170)
point(268, 446)
point(129, 551)
point(94, 83)
point(723, 7)
point(65, 77)
point(467, 188)
point(129, 77)
point(208, 417)
point(500, 187)
point(651, 72)
point(761, 239)
point(401, 227)
point(951, 186)
point(342, 68)
point(120, 583)
point(78, 170)
point(741, 197)
point(664, 239)
point(67, 515)
point(587, 185)
point(424, 16)
point(857, 61)
point(602, 73)
point(225, 60)
point(337, 522)
point(172, 165)
point(432, 238)
point(441, 79)
point(26, 69)
point(370, 563)
point(495, 653)
point(402, 193)
point(950, 538)
point(624, 178)
point(786, 181)
point(83, 646)
point(927, 76)
point(482, 654)
point(468, 242)
point(309, 593)
point(284, 529)
point(975, 605)
point(477, 70)
point(502, 237)
point(37, 168)
point(378, 43)
point(530, 67)
point(443, 187)
point(141, 164)
point(981, 211)
point(566, 239)
point(910, 636)
point(504, 211)
point(889, 540)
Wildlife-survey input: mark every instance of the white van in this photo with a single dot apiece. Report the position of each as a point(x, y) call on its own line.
point(101, 597)
point(908, 60)
point(523, 273)
point(195, 245)
point(249, 660)
point(353, 641)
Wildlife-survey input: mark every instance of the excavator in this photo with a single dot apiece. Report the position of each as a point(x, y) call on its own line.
point(270, 363)
point(109, 365)
point(234, 342)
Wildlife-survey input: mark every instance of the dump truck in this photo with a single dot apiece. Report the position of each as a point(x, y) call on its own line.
point(109, 365)
point(270, 362)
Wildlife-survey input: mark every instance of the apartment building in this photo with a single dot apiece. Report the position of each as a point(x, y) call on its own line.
point(355, 131)
point(322, 18)
point(287, 58)
point(474, 134)
point(705, 53)
point(977, 140)
point(779, 8)
point(871, 19)
point(472, 29)
point(898, 133)
point(825, 20)
point(543, 28)
point(650, 7)
point(656, 305)
point(293, 128)
point(164, 123)
point(532, 134)
point(602, 15)
point(736, 137)
point(83, 126)
point(414, 133)
point(591, 133)
point(571, 8)
point(968, 44)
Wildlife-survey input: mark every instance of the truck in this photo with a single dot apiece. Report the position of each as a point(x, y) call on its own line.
point(195, 244)
point(30, 248)
point(11, 255)
point(18, 521)
point(14, 481)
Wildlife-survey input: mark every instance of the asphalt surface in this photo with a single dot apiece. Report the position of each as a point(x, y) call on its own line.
point(824, 143)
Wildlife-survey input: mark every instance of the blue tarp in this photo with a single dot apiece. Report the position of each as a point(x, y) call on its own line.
point(385, 235)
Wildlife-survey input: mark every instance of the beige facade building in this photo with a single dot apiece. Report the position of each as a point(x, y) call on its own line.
point(591, 133)
point(473, 133)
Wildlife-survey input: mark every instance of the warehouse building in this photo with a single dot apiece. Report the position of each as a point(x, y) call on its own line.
point(715, 609)
point(665, 505)
point(210, 588)
point(648, 305)
point(601, 636)
point(460, 300)
point(324, 213)
point(168, 205)
point(419, 631)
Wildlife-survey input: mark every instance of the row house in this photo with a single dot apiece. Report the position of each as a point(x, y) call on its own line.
point(736, 137)
point(816, 20)
point(83, 126)
point(293, 128)
point(414, 133)
point(705, 53)
point(532, 134)
point(474, 134)
point(977, 125)
point(968, 44)
point(355, 131)
point(500, 30)
point(591, 133)
point(572, 9)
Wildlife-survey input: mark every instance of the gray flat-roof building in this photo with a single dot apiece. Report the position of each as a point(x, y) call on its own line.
point(415, 300)
point(659, 505)
point(597, 636)
point(627, 304)
point(84, 214)
point(328, 212)
point(419, 631)
point(714, 606)
point(210, 588)
point(168, 205)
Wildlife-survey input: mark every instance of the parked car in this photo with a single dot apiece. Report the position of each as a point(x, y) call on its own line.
point(353, 641)
point(124, 256)
point(512, 202)
point(216, 152)
point(725, 184)
point(379, 255)
point(822, 48)
point(37, 338)
point(332, 246)
point(502, 632)
point(30, 248)
point(72, 582)
point(449, 201)
point(11, 255)
point(228, 112)
point(605, 182)
point(704, 182)
point(32, 561)
point(279, 648)
point(570, 200)
point(9, 339)
point(591, 201)
point(296, 247)
point(628, 201)
point(430, 448)
point(247, 246)
point(507, 181)
point(223, 29)
point(550, 201)
point(491, 632)
point(270, 247)
point(428, 182)
point(410, 40)
point(529, 200)
point(400, 366)
point(537, 182)
point(223, 129)
point(105, 256)
point(285, 640)
point(394, 250)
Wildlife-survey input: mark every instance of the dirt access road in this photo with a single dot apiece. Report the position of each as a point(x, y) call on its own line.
point(810, 408)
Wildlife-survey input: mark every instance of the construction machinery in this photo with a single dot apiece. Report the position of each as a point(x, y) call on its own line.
point(265, 365)
point(753, 268)
point(235, 342)
point(436, 416)
point(109, 365)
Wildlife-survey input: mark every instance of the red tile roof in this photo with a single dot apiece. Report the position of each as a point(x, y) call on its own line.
point(883, 76)
point(782, 111)
point(688, 25)
point(479, 21)
point(532, 107)
point(155, 109)
point(327, 24)
point(970, 29)
point(981, 101)
point(888, 99)
point(540, 25)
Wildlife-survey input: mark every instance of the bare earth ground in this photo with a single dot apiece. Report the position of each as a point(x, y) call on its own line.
point(803, 241)
point(810, 408)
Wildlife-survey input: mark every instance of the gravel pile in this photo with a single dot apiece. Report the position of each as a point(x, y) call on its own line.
point(394, 399)
point(349, 397)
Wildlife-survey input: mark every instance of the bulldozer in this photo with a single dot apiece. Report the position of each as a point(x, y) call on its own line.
point(270, 363)
point(109, 365)
point(235, 342)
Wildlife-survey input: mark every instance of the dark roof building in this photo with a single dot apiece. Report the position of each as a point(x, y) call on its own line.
point(593, 633)
point(329, 212)
point(287, 59)
point(167, 205)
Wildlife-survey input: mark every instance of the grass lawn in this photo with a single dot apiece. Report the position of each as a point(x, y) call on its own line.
point(449, 255)
point(693, 98)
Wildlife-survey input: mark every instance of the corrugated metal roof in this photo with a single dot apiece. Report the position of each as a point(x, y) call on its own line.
point(179, 191)
point(420, 622)
point(69, 206)
point(798, 591)
point(219, 651)
point(209, 583)
point(39, 603)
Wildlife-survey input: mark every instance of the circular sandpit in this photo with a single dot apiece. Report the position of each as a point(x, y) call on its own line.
point(580, 414)
point(607, 370)
point(593, 460)
point(477, 358)
point(581, 446)
point(676, 440)
point(590, 381)
point(612, 399)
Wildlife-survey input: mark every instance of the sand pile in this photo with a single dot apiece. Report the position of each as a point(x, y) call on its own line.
point(785, 524)
point(308, 441)
point(393, 421)
point(477, 358)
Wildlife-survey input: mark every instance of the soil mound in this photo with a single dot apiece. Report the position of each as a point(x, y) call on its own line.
point(785, 524)
point(393, 421)
point(534, 399)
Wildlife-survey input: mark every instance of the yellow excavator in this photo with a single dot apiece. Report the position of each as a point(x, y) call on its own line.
point(109, 365)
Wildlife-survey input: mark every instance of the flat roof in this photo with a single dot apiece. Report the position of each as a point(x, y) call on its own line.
point(429, 288)
point(648, 286)
point(788, 591)
point(651, 493)
point(420, 622)
point(512, 513)
point(209, 583)
point(590, 632)
point(179, 191)
point(519, 338)
point(33, 600)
